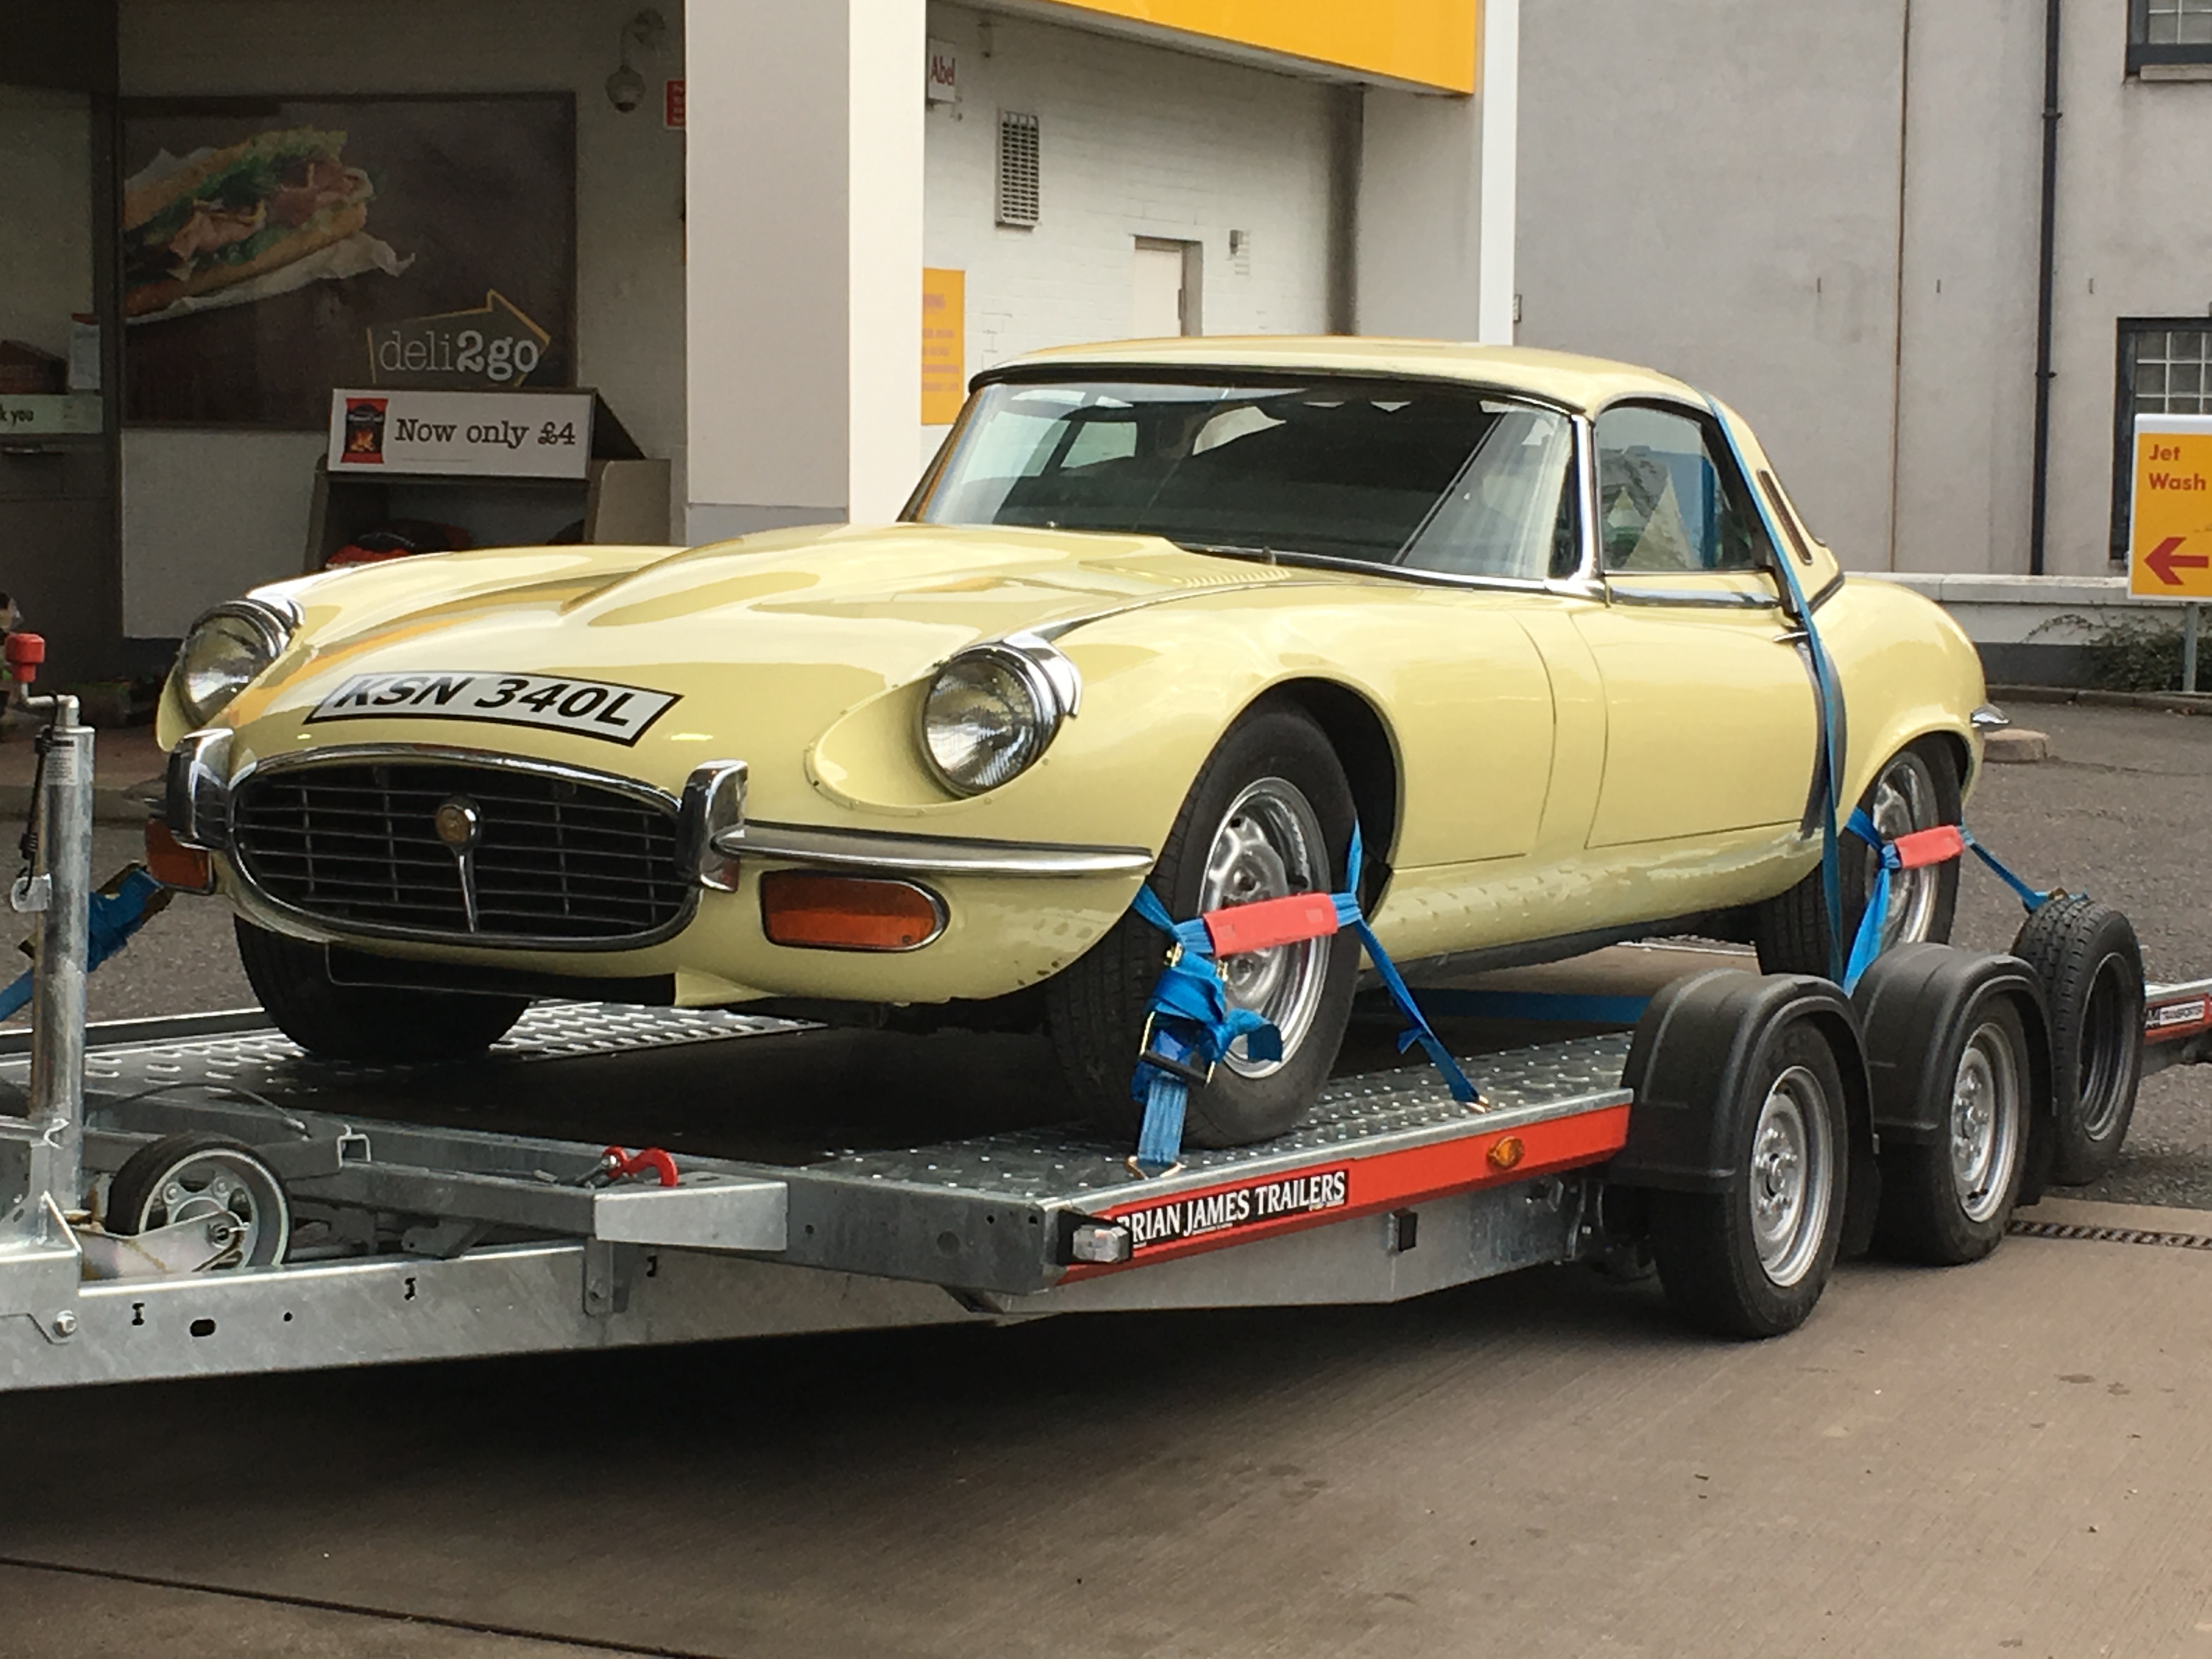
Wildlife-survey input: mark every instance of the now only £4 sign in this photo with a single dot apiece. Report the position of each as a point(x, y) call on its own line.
point(2170, 538)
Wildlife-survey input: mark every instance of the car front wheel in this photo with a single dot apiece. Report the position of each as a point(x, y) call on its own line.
point(1270, 815)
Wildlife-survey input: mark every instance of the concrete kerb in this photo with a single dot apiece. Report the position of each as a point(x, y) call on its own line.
point(2172, 702)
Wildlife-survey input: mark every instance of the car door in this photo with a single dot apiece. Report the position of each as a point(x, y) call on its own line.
point(1710, 722)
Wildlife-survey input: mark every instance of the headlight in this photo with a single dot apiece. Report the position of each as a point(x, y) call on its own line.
point(991, 712)
point(226, 648)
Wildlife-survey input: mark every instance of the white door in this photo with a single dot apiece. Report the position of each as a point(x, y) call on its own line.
point(1156, 308)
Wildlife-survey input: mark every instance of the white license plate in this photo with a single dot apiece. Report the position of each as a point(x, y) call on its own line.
point(589, 709)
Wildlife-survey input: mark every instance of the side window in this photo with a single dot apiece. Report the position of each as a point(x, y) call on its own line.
point(1667, 500)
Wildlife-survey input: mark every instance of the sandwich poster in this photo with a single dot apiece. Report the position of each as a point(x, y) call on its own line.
point(274, 249)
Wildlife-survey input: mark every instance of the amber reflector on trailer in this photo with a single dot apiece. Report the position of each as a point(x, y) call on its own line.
point(848, 912)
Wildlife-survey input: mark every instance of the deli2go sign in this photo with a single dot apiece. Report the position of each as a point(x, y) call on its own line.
point(519, 434)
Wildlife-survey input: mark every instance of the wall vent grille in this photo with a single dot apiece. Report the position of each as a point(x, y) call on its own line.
point(1018, 169)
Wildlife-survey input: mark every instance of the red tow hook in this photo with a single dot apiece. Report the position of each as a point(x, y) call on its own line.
point(616, 1164)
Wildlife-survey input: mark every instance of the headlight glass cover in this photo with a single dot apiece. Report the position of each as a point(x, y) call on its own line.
point(989, 716)
point(226, 649)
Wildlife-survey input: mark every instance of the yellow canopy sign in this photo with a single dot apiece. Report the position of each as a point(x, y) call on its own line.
point(2170, 546)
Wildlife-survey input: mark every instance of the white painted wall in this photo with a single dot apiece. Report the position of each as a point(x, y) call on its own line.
point(805, 260)
point(1719, 197)
point(2135, 240)
point(1135, 141)
point(629, 206)
point(1967, 401)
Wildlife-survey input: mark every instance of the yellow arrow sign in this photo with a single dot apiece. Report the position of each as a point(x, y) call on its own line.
point(2170, 545)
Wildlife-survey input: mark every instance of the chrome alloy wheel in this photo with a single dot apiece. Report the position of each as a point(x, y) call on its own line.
point(1269, 846)
point(1904, 801)
point(1792, 1162)
point(1986, 1113)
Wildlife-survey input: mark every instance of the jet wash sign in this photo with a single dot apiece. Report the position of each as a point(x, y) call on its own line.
point(509, 434)
point(2170, 555)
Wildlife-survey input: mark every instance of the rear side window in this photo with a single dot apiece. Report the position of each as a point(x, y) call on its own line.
point(1668, 499)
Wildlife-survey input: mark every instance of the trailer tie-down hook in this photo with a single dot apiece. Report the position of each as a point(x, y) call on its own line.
point(616, 1164)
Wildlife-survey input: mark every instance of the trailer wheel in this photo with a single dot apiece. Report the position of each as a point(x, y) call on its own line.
point(2090, 965)
point(1752, 1260)
point(1946, 1201)
point(197, 1177)
point(1270, 814)
point(369, 1024)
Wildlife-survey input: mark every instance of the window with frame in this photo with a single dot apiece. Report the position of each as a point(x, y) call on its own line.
point(2165, 368)
point(1668, 500)
point(2165, 32)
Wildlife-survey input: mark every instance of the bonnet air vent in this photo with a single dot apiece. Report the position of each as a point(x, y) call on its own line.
point(1018, 169)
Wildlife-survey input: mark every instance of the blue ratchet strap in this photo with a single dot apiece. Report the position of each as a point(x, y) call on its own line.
point(1866, 944)
point(1188, 1028)
point(1418, 1029)
point(115, 916)
point(1827, 696)
point(1191, 1025)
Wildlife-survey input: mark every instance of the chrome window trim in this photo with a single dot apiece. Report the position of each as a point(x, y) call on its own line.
point(320, 926)
point(1729, 599)
point(1702, 415)
point(897, 852)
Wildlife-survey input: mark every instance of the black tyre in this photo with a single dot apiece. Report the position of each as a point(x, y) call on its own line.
point(371, 1025)
point(1269, 814)
point(1752, 1261)
point(201, 1177)
point(2086, 957)
point(1946, 1201)
point(1918, 789)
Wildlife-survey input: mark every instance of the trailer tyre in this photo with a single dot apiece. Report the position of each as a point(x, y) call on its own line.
point(1270, 813)
point(1946, 1202)
point(1919, 789)
point(2090, 965)
point(197, 1176)
point(370, 1025)
point(1752, 1260)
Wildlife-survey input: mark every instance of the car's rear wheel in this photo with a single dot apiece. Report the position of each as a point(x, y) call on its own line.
point(1918, 789)
point(1270, 814)
point(368, 1024)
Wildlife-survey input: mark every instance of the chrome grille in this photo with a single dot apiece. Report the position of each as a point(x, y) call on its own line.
point(556, 860)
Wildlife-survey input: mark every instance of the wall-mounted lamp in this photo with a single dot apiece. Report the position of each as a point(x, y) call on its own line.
point(626, 87)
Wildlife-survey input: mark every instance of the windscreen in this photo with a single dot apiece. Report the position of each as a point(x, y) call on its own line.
point(1422, 477)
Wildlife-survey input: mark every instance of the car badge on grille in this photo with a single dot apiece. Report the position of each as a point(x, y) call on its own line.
point(460, 825)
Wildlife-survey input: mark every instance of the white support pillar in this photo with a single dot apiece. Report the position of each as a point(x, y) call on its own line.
point(804, 217)
point(1435, 243)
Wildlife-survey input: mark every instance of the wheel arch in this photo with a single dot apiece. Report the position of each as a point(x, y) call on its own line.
point(1694, 1048)
point(1365, 745)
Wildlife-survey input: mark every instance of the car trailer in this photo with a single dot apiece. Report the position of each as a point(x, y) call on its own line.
point(195, 1197)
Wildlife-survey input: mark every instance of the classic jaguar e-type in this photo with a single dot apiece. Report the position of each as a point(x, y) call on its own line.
point(1175, 612)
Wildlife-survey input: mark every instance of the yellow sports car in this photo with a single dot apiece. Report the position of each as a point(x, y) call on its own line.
point(1175, 612)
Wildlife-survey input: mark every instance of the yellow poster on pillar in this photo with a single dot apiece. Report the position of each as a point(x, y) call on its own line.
point(943, 345)
point(2170, 545)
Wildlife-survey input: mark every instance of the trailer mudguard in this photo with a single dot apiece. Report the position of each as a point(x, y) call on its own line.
point(1689, 1064)
point(1916, 1004)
